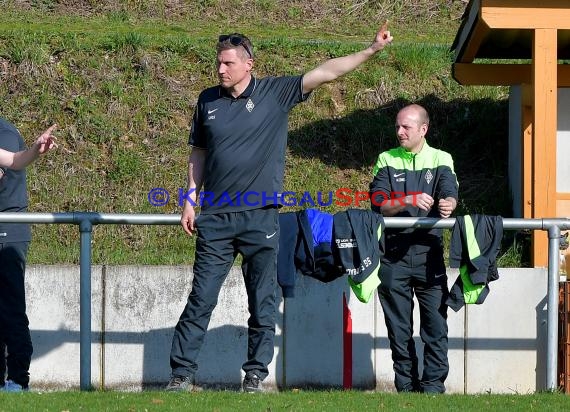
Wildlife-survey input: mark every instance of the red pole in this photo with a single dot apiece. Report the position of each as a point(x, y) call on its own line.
point(347, 345)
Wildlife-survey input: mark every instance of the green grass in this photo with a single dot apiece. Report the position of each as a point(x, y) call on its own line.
point(318, 19)
point(284, 401)
point(121, 79)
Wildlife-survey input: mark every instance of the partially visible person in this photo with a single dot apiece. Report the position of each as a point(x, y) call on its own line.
point(238, 139)
point(415, 180)
point(14, 242)
point(2, 363)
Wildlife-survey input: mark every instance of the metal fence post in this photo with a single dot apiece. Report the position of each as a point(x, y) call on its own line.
point(552, 310)
point(85, 229)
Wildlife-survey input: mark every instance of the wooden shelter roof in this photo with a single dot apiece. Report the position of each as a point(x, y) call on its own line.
point(504, 30)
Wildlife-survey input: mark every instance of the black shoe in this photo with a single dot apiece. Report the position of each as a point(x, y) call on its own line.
point(179, 383)
point(252, 383)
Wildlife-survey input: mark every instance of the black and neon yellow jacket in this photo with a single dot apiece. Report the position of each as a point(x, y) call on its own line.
point(398, 173)
point(475, 244)
point(350, 243)
point(359, 245)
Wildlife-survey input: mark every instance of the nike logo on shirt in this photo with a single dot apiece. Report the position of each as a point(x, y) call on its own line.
point(212, 111)
point(270, 236)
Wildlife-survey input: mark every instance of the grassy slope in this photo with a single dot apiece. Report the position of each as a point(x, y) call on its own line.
point(122, 78)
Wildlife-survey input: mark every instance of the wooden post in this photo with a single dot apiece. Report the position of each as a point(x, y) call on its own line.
point(544, 76)
point(526, 127)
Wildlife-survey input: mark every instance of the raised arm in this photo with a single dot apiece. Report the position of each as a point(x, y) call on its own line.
point(334, 68)
point(20, 160)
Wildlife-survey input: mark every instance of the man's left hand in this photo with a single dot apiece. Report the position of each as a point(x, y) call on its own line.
point(382, 38)
point(446, 207)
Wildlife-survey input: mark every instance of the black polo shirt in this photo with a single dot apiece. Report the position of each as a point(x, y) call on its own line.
point(246, 139)
point(13, 191)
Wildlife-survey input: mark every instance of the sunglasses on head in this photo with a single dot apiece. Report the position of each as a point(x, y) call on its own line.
point(236, 40)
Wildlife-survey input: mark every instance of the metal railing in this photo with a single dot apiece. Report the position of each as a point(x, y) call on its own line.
point(86, 221)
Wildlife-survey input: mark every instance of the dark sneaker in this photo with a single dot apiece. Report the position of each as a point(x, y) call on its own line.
point(179, 383)
point(252, 383)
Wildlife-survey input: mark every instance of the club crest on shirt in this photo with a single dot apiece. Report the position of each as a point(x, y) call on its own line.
point(428, 176)
point(249, 105)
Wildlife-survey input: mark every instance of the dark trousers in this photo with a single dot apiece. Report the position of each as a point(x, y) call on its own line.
point(400, 281)
point(14, 329)
point(2, 362)
point(254, 234)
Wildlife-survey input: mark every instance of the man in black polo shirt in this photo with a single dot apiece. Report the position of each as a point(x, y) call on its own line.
point(14, 241)
point(238, 139)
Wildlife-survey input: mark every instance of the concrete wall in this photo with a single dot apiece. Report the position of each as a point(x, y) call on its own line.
point(498, 346)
